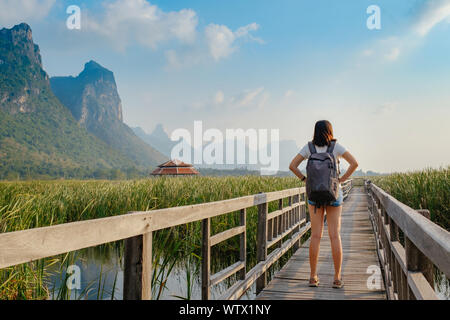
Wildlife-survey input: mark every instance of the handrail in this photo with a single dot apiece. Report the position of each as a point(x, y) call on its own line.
point(407, 269)
point(346, 187)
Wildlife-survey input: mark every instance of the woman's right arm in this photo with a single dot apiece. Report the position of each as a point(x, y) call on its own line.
point(294, 166)
point(353, 165)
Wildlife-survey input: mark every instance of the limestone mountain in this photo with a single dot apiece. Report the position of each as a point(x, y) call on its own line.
point(22, 78)
point(93, 100)
point(38, 135)
point(159, 139)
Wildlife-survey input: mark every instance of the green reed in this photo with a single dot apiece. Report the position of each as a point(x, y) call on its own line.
point(426, 189)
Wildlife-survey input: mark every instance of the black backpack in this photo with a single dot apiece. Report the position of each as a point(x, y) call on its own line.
point(322, 176)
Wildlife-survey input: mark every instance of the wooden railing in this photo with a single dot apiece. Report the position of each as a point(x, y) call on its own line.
point(282, 228)
point(346, 187)
point(408, 268)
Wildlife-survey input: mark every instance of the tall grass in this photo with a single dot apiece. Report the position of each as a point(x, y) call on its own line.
point(426, 189)
point(25, 205)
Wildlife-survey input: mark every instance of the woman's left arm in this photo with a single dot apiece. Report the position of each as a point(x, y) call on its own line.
point(294, 166)
point(353, 165)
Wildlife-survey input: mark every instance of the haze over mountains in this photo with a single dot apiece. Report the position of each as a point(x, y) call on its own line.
point(160, 139)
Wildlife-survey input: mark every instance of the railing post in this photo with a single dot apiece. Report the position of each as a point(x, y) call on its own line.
point(393, 232)
point(261, 244)
point(289, 213)
point(412, 263)
point(387, 247)
point(297, 220)
point(138, 268)
point(425, 264)
point(243, 243)
point(280, 221)
point(206, 258)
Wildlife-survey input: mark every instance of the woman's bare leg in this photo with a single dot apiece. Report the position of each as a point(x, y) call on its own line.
point(334, 228)
point(316, 234)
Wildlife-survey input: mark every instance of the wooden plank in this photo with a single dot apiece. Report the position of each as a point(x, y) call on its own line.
point(293, 285)
point(277, 213)
point(319, 295)
point(261, 244)
point(400, 255)
point(243, 243)
point(225, 273)
point(32, 244)
point(285, 233)
point(132, 276)
point(147, 266)
point(227, 234)
point(206, 258)
point(420, 287)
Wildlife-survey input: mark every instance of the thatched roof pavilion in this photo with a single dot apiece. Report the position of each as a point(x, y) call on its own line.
point(175, 168)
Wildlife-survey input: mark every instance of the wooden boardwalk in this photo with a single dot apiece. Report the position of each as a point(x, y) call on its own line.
point(359, 252)
point(404, 241)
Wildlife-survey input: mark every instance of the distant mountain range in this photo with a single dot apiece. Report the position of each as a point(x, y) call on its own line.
point(79, 130)
point(160, 140)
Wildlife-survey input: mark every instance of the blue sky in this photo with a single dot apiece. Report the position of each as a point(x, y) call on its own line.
point(267, 64)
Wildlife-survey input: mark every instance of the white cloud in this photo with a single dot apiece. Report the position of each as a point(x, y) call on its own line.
point(219, 98)
point(221, 40)
point(367, 52)
point(434, 12)
point(393, 54)
point(386, 108)
point(13, 12)
point(249, 96)
point(172, 58)
point(137, 21)
point(288, 93)
point(128, 22)
point(246, 99)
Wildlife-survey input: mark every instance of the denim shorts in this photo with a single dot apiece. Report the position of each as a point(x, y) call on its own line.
point(336, 203)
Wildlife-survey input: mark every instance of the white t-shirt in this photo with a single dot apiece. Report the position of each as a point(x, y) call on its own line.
point(338, 150)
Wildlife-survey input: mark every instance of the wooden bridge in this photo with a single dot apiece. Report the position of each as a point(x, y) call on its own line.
point(360, 262)
point(389, 248)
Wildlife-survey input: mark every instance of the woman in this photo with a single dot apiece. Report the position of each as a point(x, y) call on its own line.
point(323, 135)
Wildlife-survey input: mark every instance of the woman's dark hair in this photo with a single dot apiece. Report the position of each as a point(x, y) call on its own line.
point(323, 133)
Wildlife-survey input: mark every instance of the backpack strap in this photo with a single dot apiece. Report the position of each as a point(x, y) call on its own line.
point(330, 148)
point(312, 147)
